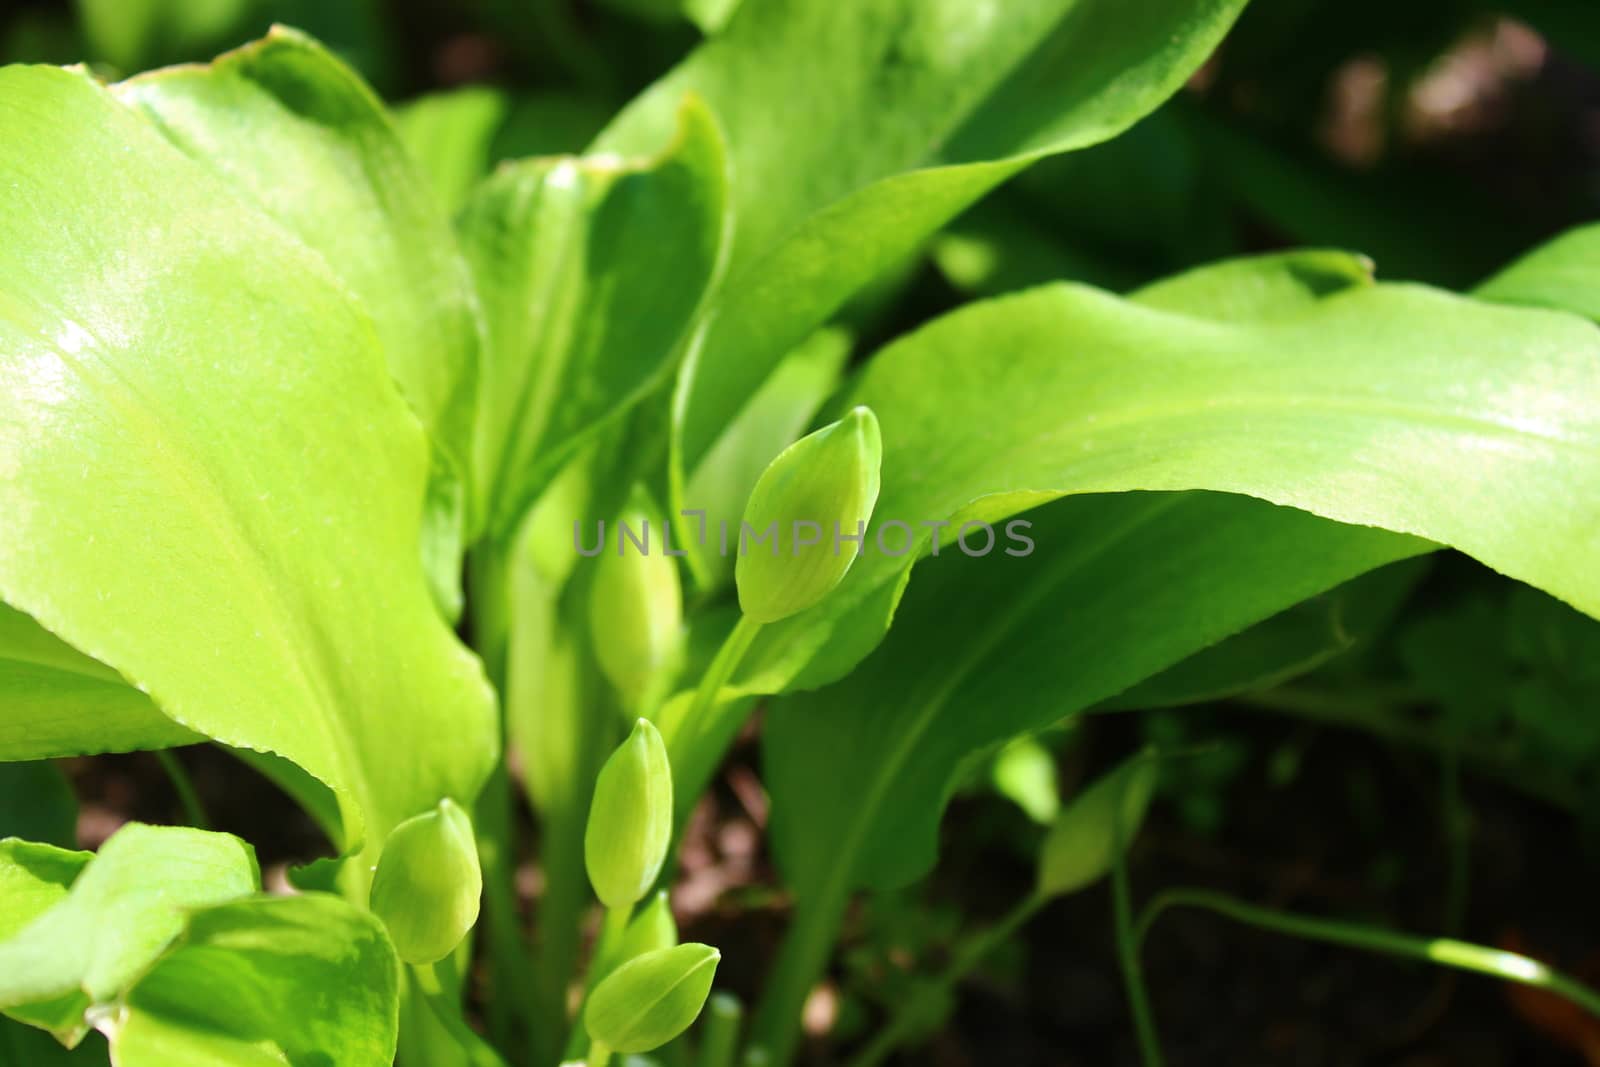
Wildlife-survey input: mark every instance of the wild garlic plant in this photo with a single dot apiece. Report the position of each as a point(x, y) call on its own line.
point(305, 442)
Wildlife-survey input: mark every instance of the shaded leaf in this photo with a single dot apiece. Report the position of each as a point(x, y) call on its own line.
point(592, 271)
point(301, 980)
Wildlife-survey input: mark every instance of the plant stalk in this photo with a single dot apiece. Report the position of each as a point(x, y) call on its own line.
point(1445, 951)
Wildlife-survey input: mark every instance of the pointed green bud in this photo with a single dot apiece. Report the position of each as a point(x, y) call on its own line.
point(1081, 846)
point(635, 605)
point(807, 516)
point(630, 821)
point(651, 999)
point(428, 883)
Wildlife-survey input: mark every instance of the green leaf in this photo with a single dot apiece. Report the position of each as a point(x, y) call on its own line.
point(1121, 586)
point(60, 702)
point(1563, 274)
point(592, 271)
point(929, 105)
point(37, 803)
point(1098, 823)
point(1398, 407)
point(651, 999)
point(299, 133)
point(33, 879)
point(1289, 644)
point(300, 980)
point(128, 904)
point(211, 484)
point(449, 135)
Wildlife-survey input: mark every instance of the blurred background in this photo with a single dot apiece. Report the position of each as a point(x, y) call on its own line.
point(1436, 767)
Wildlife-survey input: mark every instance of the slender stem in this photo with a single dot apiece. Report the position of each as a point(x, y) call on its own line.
point(700, 737)
point(193, 809)
point(1448, 952)
point(909, 1013)
point(719, 1043)
point(697, 722)
point(1144, 1023)
point(802, 957)
point(598, 1055)
point(612, 928)
point(433, 986)
point(1458, 842)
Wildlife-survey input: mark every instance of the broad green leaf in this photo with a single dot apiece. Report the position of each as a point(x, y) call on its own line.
point(60, 702)
point(1397, 407)
point(1563, 274)
point(449, 134)
point(1285, 646)
point(37, 803)
point(459, 135)
point(211, 483)
point(1120, 587)
point(592, 271)
point(1258, 288)
point(299, 133)
point(929, 105)
point(33, 878)
point(122, 911)
point(292, 980)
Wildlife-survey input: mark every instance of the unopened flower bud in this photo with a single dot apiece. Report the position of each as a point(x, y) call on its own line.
point(1083, 843)
point(630, 821)
point(814, 501)
point(651, 999)
point(635, 607)
point(427, 885)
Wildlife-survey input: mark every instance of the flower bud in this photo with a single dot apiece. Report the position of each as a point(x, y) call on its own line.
point(635, 607)
point(1082, 845)
point(630, 821)
point(818, 492)
point(651, 999)
point(428, 883)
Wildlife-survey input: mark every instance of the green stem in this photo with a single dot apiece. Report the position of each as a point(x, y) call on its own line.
point(1144, 1023)
point(612, 928)
point(719, 1043)
point(1448, 952)
point(433, 987)
point(698, 740)
point(909, 1013)
point(193, 809)
point(698, 722)
point(803, 956)
point(599, 1054)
